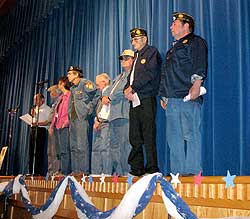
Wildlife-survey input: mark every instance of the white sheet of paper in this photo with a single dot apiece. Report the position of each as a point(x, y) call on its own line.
point(136, 101)
point(104, 113)
point(27, 118)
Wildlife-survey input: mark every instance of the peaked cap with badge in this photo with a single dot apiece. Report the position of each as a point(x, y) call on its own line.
point(77, 69)
point(137, 32)
point(184, 17)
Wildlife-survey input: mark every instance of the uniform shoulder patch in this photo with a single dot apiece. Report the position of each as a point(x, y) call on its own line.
point(89, 85)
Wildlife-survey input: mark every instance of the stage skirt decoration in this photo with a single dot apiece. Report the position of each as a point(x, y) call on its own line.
point(133, 202)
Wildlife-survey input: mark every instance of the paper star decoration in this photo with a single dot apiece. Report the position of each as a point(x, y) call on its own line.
point(52, 177)
point(115, 178)
point(175, 179)
point(198, 179)
point(83, 178)
point(229, 179)
point(32, 178)
point(130, 180)
point(102, 178)
point(47, 176)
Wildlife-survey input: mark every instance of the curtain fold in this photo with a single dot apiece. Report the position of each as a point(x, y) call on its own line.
point(40, 39)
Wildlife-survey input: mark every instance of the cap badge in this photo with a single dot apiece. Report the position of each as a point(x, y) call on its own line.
point(180, 16)
point(138, 32)
point(143, 61)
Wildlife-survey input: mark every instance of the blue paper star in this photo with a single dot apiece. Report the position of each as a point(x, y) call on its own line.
point(229, 179)
point(130, 180)
point(90, 179)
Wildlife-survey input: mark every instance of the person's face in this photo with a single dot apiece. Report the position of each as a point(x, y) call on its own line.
point(61, 85)
point(127, 62)
point(72, 75)
point(178, 29)
point(38, 101)
point(101, 83)
point(53, 94)
point(139, 42)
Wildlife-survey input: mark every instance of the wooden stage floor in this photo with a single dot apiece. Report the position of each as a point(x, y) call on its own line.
point(209, 200)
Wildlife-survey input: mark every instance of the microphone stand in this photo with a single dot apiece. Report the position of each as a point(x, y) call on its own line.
point(12, 113)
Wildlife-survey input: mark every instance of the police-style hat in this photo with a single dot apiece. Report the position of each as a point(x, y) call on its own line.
point(184, 17)
point(77, 69)
point(127, 52)
point(74, 68)
point(137, 32)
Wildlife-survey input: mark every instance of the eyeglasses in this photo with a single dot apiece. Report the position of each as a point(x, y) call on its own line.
point(125, 58)
point(135, 39)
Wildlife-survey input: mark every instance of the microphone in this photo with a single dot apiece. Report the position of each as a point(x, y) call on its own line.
point(42, 82)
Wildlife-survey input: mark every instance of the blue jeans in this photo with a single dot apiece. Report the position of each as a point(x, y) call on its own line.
point(100, 160)
point(64, 149)
point(183, 135)
point(79, 146)
point(119, 145)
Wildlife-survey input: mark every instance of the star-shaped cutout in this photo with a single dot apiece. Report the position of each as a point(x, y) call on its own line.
point(115, 178)
point(52, 177)
point(175, 179)
point(47, 177)
point(90, 179)
point(198, 179)
point(130, 180)
point(32, 178)
point(102, 178)
point(83, 178)
point(229, 179)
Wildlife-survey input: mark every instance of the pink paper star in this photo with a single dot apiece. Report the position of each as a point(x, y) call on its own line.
point(115, 178)
point(198, 179)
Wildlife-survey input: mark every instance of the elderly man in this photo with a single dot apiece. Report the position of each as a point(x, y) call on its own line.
point(83, 99)
point(38, 138)
point(119, 116)
point(183, 74)
point(141, 90)
point(101, 158)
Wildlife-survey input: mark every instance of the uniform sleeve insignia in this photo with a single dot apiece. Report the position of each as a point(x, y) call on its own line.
point(79, 92)
point(143, 61)
point(89, 85)
point(185, 41)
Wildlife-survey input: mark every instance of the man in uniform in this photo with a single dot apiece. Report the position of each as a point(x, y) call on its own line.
point(83, 99)
point(141, 90)
point(183, 74)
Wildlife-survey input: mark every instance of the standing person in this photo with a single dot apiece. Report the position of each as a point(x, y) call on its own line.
point(53, 156)
point(183, 74)
point(60, 126)
point(38, 137)
point(83, 99)
point(101, 158)
point(141, 90)
point(119, 116)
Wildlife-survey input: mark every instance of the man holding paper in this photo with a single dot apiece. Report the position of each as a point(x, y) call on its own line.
point(182, 76)
point(141, 90)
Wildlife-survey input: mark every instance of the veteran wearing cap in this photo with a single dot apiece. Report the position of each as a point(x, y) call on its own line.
point(183, 74)
point(119, 116)
point(141, 90)
point(83, 99)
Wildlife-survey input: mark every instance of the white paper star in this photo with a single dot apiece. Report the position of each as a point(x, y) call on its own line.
point(32, 178)
point(83, 178)
point(102, 178)
point(175, 179)
point(52, 177)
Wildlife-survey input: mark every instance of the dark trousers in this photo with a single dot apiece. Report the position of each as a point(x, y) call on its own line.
point(41, 151)
point(142, 131)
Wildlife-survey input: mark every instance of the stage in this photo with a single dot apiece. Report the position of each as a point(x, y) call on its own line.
point(209, 200)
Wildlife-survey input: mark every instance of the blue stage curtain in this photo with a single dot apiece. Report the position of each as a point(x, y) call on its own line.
point(40, 39)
